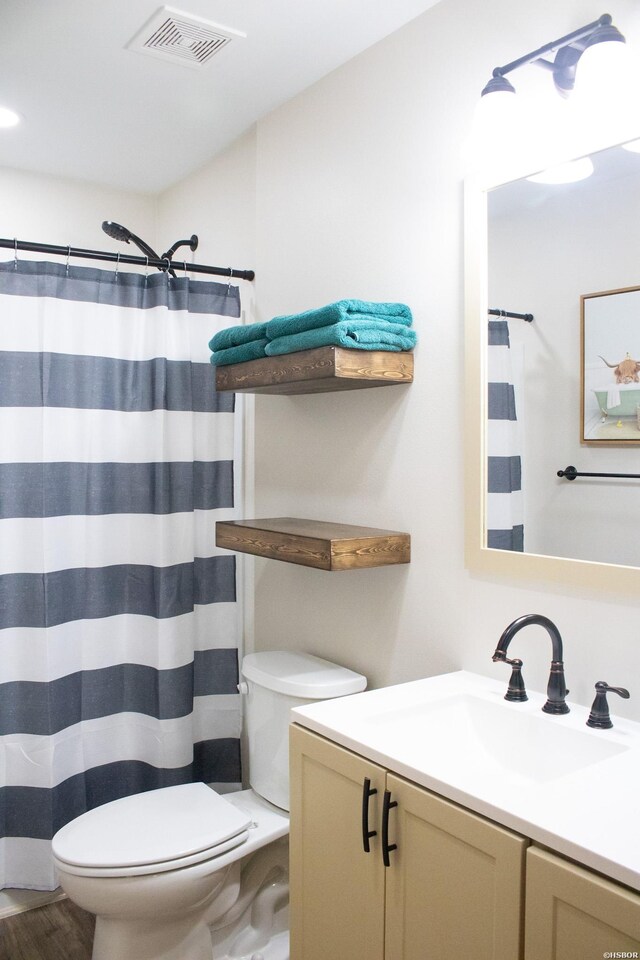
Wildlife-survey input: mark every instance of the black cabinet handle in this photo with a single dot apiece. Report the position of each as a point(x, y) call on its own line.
point(387, 847)
point(366, 833)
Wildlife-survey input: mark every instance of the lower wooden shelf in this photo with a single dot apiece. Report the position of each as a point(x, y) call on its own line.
point(321, 370)
point(314, 543)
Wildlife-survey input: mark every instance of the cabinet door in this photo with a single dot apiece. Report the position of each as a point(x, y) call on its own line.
point(573, 914)
point(337, 890)
point(455, 884)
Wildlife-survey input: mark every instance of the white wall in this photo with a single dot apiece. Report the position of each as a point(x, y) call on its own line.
point(70, 212)
point(217, 203)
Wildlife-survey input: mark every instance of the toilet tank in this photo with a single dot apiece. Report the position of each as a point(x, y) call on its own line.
point(274, 682)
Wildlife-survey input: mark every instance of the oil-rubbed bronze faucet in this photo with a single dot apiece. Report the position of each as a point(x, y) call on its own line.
point(556, 688)
point(599, 716)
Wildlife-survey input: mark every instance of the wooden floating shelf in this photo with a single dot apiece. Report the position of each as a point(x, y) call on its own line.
point(313, 543)
point(317, 371)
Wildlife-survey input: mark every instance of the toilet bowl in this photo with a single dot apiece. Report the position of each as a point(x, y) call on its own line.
point(175, 873)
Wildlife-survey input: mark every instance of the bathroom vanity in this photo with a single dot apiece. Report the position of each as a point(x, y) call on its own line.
point(493, 830)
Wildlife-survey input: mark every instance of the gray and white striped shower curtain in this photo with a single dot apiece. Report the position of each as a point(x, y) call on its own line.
point(504, 514)
point(119, 626)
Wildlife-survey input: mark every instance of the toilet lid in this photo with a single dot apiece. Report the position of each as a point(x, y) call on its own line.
point(154, 827)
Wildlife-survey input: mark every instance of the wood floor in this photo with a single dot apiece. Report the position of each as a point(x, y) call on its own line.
point(57, 931)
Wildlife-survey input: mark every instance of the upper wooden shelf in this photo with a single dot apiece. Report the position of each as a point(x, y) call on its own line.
point(313, 543)
point(317, 371)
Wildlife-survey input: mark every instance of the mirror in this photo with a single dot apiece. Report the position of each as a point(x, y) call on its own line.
point(568, 254)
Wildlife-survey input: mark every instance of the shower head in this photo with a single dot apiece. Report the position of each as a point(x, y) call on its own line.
point(117, 232)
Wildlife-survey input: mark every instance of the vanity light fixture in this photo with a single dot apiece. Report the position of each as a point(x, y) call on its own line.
point(590, 63)
point(568, 50)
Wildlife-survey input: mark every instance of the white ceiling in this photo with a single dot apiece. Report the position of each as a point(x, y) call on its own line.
point(94, 110)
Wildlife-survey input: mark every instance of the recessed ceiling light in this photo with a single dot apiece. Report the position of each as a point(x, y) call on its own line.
point(8, 118)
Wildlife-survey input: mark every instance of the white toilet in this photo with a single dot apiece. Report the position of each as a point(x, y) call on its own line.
point(170, 872)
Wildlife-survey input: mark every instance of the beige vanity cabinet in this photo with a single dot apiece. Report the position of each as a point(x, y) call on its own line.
point(574, 914)
point(453, 886)
point(336, 890)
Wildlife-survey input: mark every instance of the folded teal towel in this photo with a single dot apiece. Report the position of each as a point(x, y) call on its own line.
point(338, 312)
point(253, 350)
point(346, 334)
point(236, 336)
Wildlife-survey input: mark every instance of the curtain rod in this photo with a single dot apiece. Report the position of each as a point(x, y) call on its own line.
point(160, 263)
point(528, 317)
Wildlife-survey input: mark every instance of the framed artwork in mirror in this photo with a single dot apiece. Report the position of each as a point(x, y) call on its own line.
point(610, 367)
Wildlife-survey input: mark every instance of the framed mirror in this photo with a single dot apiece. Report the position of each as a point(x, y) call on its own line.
point(568, 254)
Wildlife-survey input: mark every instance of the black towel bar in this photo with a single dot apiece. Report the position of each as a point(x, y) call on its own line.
point(570, 473)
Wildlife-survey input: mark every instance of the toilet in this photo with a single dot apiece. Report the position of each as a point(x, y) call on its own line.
point(185, 873)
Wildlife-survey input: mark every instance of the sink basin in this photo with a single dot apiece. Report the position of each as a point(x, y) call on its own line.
point(492, 736)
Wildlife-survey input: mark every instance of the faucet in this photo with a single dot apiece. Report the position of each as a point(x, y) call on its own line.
point(556, 687)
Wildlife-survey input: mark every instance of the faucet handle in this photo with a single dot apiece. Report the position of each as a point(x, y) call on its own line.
point(599, 716)
point(516, 689)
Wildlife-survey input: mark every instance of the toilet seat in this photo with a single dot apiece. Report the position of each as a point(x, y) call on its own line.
point(152, 832)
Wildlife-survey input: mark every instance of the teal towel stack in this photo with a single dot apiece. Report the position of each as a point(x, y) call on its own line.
point(238, 344)
point(358, 334)
point(338, 312)
point(356, 324)
point(252, 350)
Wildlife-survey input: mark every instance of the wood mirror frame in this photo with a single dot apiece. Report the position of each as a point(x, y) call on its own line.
point(479, 558)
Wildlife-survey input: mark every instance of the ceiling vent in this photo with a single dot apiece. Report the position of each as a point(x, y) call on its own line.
point(182, 38)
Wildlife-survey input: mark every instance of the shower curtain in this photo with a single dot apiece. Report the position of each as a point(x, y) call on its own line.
point(505, 527)
point(119, 625)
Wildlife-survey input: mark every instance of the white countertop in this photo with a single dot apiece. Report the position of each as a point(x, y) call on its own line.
point(550, 778)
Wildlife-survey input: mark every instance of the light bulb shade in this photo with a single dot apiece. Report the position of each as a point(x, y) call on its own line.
point(495, 112)
point(498, 84)
point(605, 33)
point(606, 92)
point(495, 132)
point(603, 71)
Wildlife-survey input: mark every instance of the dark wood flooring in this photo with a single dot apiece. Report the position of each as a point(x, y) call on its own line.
point(57, 931)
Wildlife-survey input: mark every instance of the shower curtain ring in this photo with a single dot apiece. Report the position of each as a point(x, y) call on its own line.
point(68, 256)
point(184, 262)
point(230, 276)
point(117, 266)
point(15, 253)
point(146, 270)
point(167, 268)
